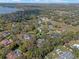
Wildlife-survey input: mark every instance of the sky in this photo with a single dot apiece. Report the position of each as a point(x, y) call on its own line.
point(39, 1)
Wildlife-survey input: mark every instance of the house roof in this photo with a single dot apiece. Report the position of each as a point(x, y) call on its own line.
point(27, 37)
point(11, 55)
point(6, 42)
point(66, 55)
point(6, 33)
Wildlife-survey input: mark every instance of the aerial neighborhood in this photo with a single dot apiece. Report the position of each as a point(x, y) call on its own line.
point(40, 32)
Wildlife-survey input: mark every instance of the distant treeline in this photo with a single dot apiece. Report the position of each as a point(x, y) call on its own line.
point(21, 15)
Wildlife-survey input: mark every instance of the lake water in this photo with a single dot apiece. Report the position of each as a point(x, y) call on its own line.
point(5, 10)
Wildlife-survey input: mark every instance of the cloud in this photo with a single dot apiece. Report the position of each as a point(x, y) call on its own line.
point(42, 1)
point(10, 1)
point(45, 1)
point(17, 0)
point(60, 1)
point(54, 1)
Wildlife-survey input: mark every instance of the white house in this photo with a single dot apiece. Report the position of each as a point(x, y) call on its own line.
point(75, 46)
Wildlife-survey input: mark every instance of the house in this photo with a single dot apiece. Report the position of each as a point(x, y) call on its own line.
point(75, 46)
point(6, 42)
point(58, 51)
point(27, 37)
point(40, 42)
point(17, 52)
point(43, 19)
point(14, 54)
point(6, 33)
point(14, 25)
point(50, 27)
point(11, 55)
point(39, 21)
point(56, 35)
point(66, 55)
point(39, 29)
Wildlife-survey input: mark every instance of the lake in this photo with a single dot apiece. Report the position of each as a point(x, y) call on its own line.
point(5, 10)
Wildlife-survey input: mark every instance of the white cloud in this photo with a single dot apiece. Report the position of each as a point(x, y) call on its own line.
point(41, 1)
point(50, 1)
point(10, 1)
point(16, 0)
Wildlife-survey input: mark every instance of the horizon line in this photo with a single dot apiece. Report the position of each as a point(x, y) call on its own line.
point(38, 3)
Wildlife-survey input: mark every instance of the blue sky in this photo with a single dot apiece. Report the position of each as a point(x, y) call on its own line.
point(40, 1)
